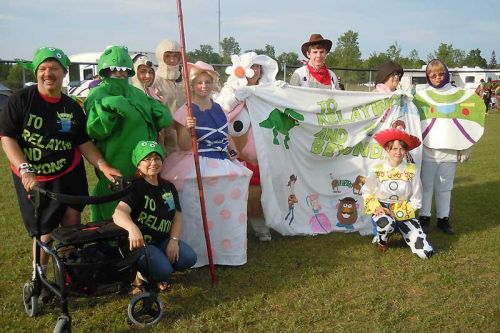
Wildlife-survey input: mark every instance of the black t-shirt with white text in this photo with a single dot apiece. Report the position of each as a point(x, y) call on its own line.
point(153, 208)
point(48, 133)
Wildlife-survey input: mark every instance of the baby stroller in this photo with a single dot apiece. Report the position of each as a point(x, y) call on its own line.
point(89, 260)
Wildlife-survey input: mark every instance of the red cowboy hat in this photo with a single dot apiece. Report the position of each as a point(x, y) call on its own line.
point(316, 39)
point(390, 134)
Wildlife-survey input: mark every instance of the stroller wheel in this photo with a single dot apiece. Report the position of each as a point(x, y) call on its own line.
point(63, 325)
point(145, 309)
point(30, 301)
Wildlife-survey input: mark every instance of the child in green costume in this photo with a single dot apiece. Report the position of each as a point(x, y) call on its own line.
point(119, 116)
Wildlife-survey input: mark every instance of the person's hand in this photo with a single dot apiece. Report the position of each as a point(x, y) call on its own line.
point(116, 103)
point(242, 93)
point(233, 153)
point(108, 171)
point(382, 211)
point(173, 250)
point(29, 181)
point(279, 83)
point(190, 122)
point(135, 238)
point(463, 155)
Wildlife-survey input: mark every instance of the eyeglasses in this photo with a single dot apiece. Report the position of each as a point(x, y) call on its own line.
point(436, 75)
point(151, 159)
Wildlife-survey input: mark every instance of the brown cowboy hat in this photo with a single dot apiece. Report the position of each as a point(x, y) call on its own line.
point(316, 39)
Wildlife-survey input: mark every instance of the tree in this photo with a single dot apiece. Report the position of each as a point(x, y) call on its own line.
point(290, 59)
point(348, 55)
point(493, 60)
point(474, 58)
point(204, 53)
point(394, 52)
point(450, 56)
point(15, 77)
point(4, 71)
point(229, 47)
point(268, 50)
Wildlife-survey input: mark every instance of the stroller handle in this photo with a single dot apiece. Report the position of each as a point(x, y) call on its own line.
point(83, 199)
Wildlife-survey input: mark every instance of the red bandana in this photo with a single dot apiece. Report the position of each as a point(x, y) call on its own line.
point(322, 75)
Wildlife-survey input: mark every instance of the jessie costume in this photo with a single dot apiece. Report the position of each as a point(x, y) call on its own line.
point(398, 189)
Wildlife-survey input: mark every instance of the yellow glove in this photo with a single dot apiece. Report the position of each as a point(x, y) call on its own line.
point(403, 211)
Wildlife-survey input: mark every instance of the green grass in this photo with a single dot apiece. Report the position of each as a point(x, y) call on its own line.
point(330, 283)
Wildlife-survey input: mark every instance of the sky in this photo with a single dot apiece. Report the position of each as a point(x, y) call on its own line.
point(90, 25)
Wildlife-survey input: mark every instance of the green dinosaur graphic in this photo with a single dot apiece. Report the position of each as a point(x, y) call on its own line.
point(282, 122)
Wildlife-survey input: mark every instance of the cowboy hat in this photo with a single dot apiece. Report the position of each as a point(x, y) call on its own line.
point(390, 134)
point(316, 39)
point(201, 67)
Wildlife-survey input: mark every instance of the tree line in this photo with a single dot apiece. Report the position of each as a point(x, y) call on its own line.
point(346, 54)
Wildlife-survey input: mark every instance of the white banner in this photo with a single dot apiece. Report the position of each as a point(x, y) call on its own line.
point(314, 147)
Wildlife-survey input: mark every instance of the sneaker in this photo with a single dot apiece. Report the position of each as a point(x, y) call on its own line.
point(263, 236)
point(445, 226)
point(425, 222)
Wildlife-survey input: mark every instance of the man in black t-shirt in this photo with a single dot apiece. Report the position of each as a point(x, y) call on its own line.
point(42, 132)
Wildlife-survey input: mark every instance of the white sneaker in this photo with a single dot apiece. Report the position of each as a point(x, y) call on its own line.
point(261, 229)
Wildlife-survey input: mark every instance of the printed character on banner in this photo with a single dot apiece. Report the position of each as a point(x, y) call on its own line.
point(347, 212)
point(358, 184)
point(282, 122)
point(335, 184)
point(320, 224)
point(292, 198)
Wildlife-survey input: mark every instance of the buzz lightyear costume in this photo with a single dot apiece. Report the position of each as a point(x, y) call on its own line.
point(452, 122)
point(119, 116)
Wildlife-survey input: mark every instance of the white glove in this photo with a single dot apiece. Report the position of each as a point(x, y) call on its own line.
point(279, 83)
point(463, 155)
point(242, 93)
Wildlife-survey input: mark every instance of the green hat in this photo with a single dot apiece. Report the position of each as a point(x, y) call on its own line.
point(45, 53)
point(144, 148)
point(115, 58)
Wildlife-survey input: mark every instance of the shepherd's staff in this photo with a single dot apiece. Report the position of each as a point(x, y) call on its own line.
point(194, 145)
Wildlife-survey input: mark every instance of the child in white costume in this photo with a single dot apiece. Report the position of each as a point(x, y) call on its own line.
point(225, 180)
point(452, 121)
point(393, 193)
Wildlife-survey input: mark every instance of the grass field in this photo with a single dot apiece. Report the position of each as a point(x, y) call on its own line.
point(330, 283)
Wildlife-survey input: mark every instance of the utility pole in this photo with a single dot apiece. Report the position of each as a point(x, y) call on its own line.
point(218, 12)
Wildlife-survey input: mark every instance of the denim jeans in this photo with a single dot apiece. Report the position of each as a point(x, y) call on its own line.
point(161, 268)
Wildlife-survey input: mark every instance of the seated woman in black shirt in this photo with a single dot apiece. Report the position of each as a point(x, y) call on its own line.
point(152, 215)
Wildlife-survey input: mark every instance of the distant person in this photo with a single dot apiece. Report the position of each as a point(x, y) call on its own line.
point(388, 77)
point(118, 116)
point(315, 74)
point(487, 91)
point(43, 135)
point(95, 82)
point(341, 85)
point(169, 86)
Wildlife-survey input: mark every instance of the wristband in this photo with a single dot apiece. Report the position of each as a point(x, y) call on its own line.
point(174, 238)
point(26, 168)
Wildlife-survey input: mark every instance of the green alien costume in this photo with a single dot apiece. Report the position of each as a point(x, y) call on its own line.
point(119, 116)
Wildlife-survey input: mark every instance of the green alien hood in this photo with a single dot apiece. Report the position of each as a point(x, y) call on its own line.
point(115, 58)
